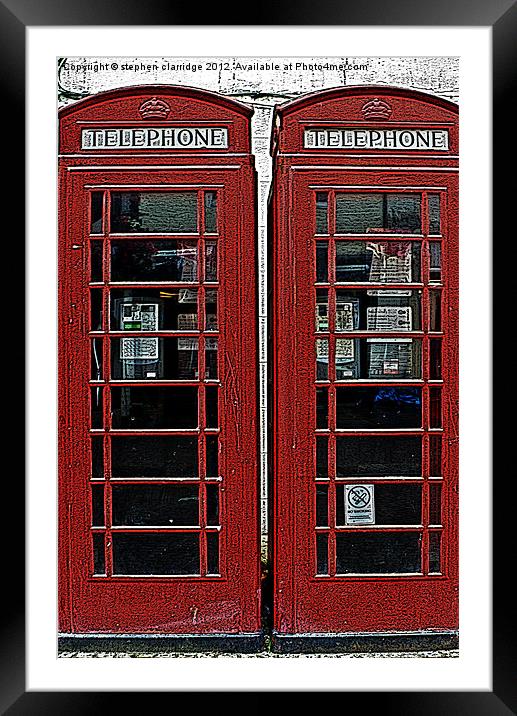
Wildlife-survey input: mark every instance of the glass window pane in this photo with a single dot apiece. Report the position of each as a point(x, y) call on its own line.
point(435, 262)
point(435, 455)
point(212, 458)
point(379, 456)
point(435, 408)
point(394, 359)
point(138, 407)
point(96, 311)
point(212, 505)
point(435, 308)
point(359, 213)
point(322, 554)
point(369, 213)
point(172, 309)
point(379, 262)
point(154, 456)
point(435, 504)
point(322, 201)
point(96, 249)
point(378, 310)
point(378, 553)
point(347, 312)
point(322, 409)
point(435, 359)
point(380, 407)
point(160, 260)
point(211, 368)
point(186, 357)
point(322, 309)
point(155, 505)
point(96, 204)
point(158, 212)
point(211, 309)
point(348, 358)
point(159, 554)
point(322, 507)
point(378, 359)
point(96, 408)
point(212, 553)
point(322, 261)
point(210, 260)
point(322, 443)
point(97, 457)
point(96, 359)
point(99, 563)
point(434, 552)
point(403, 213)
point(393, 505)
point(210, 212)
point(212, 410)
point(98, 506)
point(322, 359)
point(154, 358)
point(434, 213)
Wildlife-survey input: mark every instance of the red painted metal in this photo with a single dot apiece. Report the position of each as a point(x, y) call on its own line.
point(306, 602)
point(225, 604)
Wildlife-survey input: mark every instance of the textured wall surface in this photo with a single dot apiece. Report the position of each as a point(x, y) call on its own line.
point(260, 82)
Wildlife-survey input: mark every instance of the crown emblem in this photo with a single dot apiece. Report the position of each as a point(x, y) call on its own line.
point(154, 109)
point(376, 109)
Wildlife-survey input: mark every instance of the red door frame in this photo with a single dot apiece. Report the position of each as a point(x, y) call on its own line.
point(306, 603)
point(226, 604)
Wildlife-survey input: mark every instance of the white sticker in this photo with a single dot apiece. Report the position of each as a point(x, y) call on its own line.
point(391, 367)
point(359, 505)
point(139, 348)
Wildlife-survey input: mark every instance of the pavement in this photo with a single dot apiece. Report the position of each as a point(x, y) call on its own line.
point(438, 654)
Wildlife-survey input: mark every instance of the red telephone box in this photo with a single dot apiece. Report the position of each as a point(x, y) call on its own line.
point(158, 523)
point(364, 327)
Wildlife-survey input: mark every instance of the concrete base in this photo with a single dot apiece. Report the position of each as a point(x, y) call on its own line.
point(363, 642)
point(156, 643)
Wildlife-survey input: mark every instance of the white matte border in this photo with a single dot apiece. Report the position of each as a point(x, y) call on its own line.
point(472, 670)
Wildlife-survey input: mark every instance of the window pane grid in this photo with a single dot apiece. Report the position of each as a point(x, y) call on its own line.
point(100, 313)
point(430, 370)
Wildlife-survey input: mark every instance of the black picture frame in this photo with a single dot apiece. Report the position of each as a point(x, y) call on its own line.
point(501, 16)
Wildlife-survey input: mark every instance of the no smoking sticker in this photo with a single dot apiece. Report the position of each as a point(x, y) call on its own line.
point(359, 505)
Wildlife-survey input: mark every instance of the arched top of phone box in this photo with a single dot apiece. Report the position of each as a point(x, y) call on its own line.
point(369, 114)
point(158, 118)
